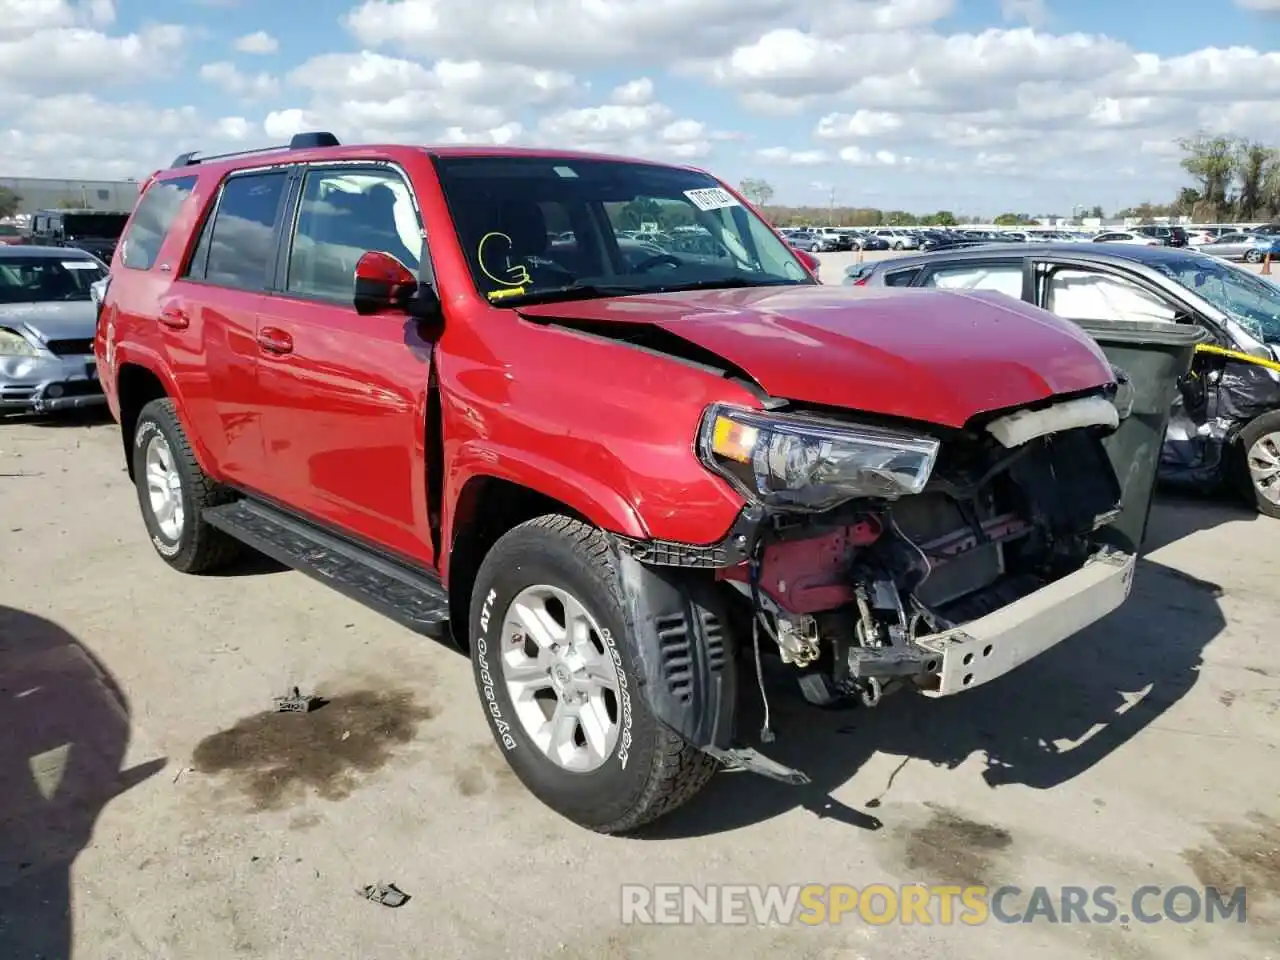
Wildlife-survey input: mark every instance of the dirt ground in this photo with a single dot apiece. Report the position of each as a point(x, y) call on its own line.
point(150, 808)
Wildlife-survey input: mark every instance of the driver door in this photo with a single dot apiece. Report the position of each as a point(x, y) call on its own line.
point(343, 395)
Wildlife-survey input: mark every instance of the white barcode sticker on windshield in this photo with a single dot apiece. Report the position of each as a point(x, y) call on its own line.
point(79, 265)
point(711, 198)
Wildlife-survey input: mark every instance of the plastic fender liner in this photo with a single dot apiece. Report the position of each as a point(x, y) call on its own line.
point(687, 656)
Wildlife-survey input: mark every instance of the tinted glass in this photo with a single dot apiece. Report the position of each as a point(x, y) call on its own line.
point(342, 216)
point(535, 226)
point(151, 221)
point(900, 278)
point(241, 246)
point(46, 279)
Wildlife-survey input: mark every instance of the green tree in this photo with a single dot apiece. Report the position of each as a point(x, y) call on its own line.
point(1213, 161)
point(1096, 211)
point(9, 202)
point(1253, 160)
point(943, 218)
point(1188, 197)
point(759, 192)
point(1010, 219)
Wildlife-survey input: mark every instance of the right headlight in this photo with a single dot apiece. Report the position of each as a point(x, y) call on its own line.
point(13, 344)
point(809, 463)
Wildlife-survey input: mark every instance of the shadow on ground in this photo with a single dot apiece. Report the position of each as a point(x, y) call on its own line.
point(1040, 726)
point(64, 730)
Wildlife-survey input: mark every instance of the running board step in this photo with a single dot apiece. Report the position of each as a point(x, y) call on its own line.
point(412, 597)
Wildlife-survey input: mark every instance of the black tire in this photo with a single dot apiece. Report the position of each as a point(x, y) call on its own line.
point(899, 245)
point(637, 784)
point(1258, 427)
point(1253, 256)
point(198, 547)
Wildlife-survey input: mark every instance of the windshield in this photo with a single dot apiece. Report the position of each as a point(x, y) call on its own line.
point(1253, 302)
point(45, 279)
point(536, 227)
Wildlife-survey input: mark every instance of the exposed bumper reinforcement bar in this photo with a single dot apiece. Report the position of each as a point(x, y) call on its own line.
point(991, 646)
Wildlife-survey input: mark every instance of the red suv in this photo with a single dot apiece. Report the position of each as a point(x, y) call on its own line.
point(487, 392)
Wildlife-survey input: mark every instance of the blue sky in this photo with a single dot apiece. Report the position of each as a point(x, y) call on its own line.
point(971, 105)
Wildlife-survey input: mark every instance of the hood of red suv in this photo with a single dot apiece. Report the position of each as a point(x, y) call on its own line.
point(936, 356)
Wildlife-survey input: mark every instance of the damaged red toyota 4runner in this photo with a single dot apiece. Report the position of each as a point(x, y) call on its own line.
point(593, 418)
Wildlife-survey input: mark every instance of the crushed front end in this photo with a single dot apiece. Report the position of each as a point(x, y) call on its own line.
point(876, 559)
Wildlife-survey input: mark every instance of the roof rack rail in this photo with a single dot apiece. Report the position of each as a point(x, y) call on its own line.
point(299, 141)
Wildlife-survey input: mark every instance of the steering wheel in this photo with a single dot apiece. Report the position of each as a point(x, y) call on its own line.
point(647, 264)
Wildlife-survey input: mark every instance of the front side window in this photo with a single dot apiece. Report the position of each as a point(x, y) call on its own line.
point(344, 214)
point(47, 279)
point(535, 227)
point(1079, 294)
point(1004, 278)
point(151, 221)
point(237, 245)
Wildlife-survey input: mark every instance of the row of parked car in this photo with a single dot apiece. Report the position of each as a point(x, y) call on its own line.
point(1252, 245)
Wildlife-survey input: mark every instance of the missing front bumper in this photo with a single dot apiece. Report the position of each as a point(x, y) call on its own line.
point(993, 645)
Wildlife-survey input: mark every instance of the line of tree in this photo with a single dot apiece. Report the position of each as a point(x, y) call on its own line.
point(760, 193)
point(1236, 179)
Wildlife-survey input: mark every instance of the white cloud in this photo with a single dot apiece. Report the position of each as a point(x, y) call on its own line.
point(258, 42)
point(226, 77)
point(71, 58)
point(785, 156)
point(1264, 6)
point(650, 129)
point(572, 33)
point(862, 123)
point(635, 93)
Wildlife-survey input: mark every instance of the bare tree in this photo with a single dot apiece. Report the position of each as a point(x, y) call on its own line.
point(757, 191)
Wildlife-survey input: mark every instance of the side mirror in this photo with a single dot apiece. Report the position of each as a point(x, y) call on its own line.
point(810, 260)
point(382, 283)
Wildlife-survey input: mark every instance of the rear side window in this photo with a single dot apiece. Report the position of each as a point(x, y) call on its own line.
point(1004, 278)
point(151, 221)
point(237, 245)
point(900, 278)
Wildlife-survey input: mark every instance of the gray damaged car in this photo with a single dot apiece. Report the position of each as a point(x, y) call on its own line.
point(47, 319)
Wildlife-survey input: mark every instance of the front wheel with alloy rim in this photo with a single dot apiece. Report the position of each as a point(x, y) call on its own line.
point(559, 676)
point(173, 492)
point(1260, 451)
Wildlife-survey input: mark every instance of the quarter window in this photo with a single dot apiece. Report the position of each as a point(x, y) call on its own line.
point(237, 245)
point(151, 221)
point(1089, 295)
point(343, 215)
point(1004, 278)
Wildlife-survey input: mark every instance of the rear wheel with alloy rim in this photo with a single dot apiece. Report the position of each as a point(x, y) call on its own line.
point(1260, 470)
point(173, 492)
point(1253, 256)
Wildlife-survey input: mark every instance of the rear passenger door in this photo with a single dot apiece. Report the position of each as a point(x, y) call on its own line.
point(209, 319)
point(343, 396)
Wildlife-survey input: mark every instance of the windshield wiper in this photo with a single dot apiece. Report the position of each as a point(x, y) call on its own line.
point(725, 283)
point(570, 291)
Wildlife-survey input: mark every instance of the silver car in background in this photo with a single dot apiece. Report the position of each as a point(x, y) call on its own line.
point(47, 320)
point(1250, 247)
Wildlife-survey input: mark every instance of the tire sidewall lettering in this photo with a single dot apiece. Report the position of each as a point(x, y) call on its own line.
point(624, 696)
point(501, 725)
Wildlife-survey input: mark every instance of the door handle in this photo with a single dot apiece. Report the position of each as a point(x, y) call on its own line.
point(275, 340)
point(175, 318)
